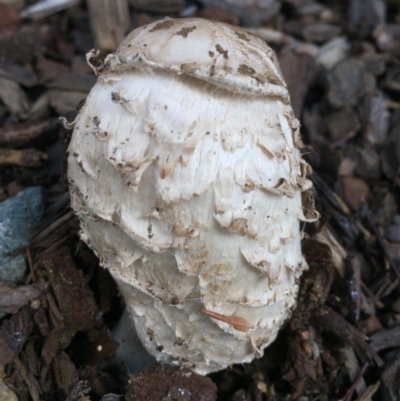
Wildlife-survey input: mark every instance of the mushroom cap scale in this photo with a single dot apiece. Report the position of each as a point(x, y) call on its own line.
point(190, 189)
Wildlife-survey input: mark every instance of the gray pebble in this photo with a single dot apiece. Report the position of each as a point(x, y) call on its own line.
point(18, 217)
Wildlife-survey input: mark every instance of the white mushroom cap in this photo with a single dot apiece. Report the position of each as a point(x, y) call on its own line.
point(225, 56)
point(186, 173)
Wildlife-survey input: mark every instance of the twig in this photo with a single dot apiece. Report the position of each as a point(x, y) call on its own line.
point(342, 140)
point(31, 268)
point(335, 323)
point(54, 309)
point(365, 213)
point(52, 227)
point(377, 302)
point(369, 392)
point(33, 385)
point(56, 244)
point(352, 388)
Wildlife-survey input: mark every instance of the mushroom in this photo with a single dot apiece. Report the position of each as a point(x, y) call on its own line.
point(186, 173)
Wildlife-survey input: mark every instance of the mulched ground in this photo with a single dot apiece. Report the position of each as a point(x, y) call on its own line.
point(341, 61)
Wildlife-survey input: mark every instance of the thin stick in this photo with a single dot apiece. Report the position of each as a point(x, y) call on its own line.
point(352, 388)
point(52, 227)
point(32, 385)
point(30, 263)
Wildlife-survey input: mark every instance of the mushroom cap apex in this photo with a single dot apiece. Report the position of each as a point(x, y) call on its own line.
point(222, 55)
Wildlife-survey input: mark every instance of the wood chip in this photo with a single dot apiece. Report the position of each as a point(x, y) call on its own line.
point(354, 191)
point(13, 298)
point(346, 83)
point(386, 338)
point(110, 23)
point(14, 98)
point(155, 382)
point(321, 32)
point(14, 333)
point(74, 299)
point(23, 134)
point(22, 158)
point(9, 18)
point(335, 323)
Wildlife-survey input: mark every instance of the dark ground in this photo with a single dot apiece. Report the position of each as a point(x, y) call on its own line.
point(341, 61)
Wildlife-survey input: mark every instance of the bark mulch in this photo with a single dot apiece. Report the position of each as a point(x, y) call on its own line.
point(341, 60)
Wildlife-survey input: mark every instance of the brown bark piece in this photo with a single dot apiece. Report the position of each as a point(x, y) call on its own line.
point(74, 299)
point(346, 83)
point(13, 298)
point(335, 323)
point(298, 71)
point(321, 32)
point(166, 383)
point(9, 18)
point(390, 388)
point(342, 122)
point(218, 14)
point(386, 338)
point(110, 23)
point(22, 158)
point(354, 191)
point(14, 98)
point(13, 335)
point(22, 134)
point(65, 373)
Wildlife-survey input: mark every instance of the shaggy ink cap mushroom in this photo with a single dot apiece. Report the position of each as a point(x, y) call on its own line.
point(186, 173)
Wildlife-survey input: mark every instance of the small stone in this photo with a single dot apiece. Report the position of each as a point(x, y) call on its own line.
point(18, 217)
point(35, 304)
